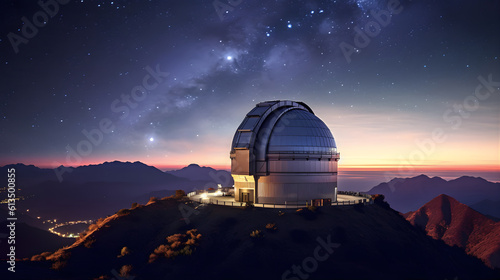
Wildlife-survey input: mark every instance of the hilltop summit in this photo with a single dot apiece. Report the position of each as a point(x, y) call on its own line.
point(355, 242)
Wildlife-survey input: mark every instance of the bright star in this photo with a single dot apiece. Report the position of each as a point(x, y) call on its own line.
point(229, 57)
point(151, 139)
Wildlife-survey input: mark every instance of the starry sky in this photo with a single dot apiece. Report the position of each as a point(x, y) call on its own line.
point(168, 82)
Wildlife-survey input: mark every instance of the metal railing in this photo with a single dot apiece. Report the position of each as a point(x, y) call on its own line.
point(293, 205)
point(369, 196)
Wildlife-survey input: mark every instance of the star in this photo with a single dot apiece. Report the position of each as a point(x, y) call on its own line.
point(194, 83)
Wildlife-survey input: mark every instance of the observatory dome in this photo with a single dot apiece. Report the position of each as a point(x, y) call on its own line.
point(283, 153)
point(299, 131)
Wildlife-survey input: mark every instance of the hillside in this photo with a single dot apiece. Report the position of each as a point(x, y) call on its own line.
point(409, 194)
point(362, 242)
point(459, 225)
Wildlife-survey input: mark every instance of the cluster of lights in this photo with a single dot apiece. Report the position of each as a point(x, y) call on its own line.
point(217, 193)
point(48, 221)
point(70, 235)
point(6, 201)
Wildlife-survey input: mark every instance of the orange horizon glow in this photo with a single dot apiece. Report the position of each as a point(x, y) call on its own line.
point(367, 141)
point(420, 167)
point(44, 163)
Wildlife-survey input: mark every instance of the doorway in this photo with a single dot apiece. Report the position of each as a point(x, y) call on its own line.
point(246, 195)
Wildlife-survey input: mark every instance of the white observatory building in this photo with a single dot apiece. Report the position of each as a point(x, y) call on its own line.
point(284, 154)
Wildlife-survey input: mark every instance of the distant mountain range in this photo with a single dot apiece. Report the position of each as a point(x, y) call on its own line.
point(457, 224)
point(136, 172)
point(196, 172)
point(345, 242)
point(409, 194)
point(93, 191)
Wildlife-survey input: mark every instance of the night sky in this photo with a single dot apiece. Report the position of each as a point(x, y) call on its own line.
point(168, 82)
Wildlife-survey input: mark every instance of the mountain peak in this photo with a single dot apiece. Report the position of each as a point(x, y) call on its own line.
point(204, 173)
point(459, 225)
point(469, 179)
point(117, 162)
point(444, 197)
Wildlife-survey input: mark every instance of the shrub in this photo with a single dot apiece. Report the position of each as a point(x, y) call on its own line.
point(123, 212)
point(40, 257)
point(191, 241)
point(256, 234)
point(186, 251)
point(309, 212)
point(92, 227)
point(82, 235)
point(193, 233)
point(58, 265)
point(60, 254)
point(125, 271)
point(125, 251)
point(152, 257)
point(135, 205)
point(379, 199)
point(175, 238)
point(88, 242)
point(271, 226)
point(179, 194)
point(178, 244)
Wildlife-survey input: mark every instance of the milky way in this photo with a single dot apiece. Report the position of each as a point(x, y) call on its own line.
point(168, 82)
